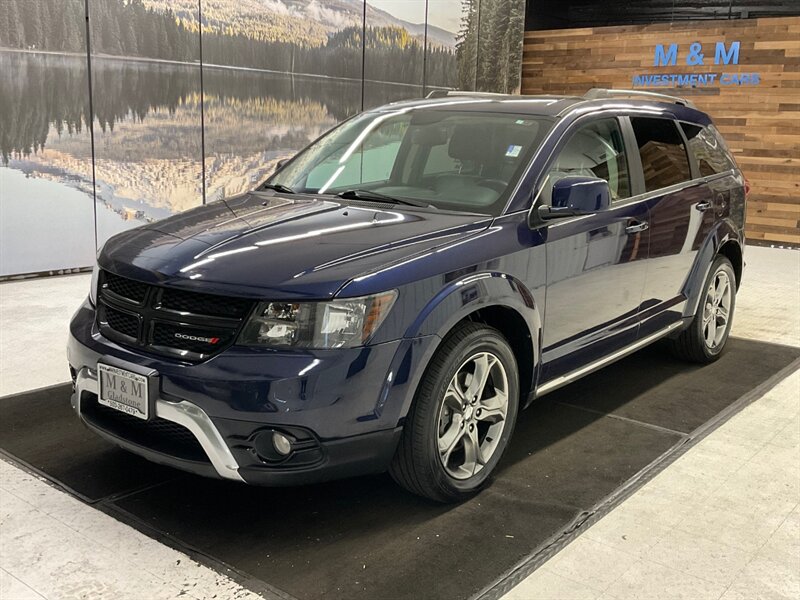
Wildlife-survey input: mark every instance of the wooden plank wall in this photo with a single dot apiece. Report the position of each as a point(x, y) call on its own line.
point(761, 123)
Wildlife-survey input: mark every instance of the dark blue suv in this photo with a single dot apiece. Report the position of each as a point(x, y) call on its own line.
point(395, 293)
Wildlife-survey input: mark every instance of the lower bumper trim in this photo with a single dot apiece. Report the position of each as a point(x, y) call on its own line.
point(353, 456)
point(184, 413)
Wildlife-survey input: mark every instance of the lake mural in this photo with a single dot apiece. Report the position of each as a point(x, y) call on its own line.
point(192, 101)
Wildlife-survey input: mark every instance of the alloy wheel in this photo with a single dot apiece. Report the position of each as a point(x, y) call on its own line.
point(473, 415)
point(717, 311)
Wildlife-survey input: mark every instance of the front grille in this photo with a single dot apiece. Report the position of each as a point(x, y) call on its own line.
point(126, 288)
point(124, 323)
point(156, 434)
point(186, 325)
point(204, 304)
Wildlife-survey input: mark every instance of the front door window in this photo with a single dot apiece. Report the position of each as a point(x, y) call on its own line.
point(595, 150)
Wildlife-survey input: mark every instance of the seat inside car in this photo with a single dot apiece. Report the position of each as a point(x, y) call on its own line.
point(468, 146)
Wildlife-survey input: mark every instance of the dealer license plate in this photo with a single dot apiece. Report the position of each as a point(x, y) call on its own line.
point(123, 390)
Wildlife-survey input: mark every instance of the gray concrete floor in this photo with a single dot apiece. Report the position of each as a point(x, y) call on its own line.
point(723, 521)
point(34, 317)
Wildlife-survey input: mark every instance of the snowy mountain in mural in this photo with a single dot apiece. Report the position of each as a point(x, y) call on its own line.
point(301, 21)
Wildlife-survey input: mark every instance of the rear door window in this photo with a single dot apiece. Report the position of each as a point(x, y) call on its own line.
point(708, 149)
point(663, 153)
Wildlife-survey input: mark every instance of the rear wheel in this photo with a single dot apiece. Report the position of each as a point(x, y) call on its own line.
point(704, 340)
point(462, 417)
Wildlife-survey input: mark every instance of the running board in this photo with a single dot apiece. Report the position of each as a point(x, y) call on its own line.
point(563, 380)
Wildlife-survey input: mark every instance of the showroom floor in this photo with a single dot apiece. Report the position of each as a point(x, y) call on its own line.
point(722, 521)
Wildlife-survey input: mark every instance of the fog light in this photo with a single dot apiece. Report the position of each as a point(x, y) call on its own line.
point(272, 446)
point(281, 443)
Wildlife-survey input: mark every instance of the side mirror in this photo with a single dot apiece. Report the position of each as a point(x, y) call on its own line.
point(280, 164)
point(576, 196)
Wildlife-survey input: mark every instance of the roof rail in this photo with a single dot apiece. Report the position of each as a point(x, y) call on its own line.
point(596, 93)
point(442, 93)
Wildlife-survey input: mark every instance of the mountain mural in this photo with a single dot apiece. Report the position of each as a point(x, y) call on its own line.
point(297, 21)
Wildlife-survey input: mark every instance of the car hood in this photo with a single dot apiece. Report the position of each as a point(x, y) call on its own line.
point(273, 246)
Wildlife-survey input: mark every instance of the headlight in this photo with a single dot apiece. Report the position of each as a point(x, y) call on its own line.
point(336, 324)
point(93, 288)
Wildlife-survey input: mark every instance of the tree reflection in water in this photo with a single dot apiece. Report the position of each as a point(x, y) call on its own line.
point(147, 123)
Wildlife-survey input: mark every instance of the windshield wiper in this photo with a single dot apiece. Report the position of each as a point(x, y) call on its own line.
point(278, 187)
point(378, 197)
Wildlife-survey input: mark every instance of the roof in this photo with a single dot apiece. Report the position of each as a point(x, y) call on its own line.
point(552, 105)
point(485, 102)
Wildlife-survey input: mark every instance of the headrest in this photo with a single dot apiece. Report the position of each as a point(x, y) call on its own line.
point(430, 136)
point(468, 141)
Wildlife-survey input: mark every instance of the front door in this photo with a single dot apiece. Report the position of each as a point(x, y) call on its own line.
point(595, 264)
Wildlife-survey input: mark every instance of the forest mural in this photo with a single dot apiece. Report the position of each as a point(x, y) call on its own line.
point(160, 105)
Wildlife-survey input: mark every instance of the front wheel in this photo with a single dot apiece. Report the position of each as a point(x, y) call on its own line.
point(704, 340)
point(462, 417)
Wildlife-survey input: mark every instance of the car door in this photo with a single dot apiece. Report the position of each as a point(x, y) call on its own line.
point(681, 207)
point(595, 264)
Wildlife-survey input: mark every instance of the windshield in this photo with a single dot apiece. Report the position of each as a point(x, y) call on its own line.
point(453, 160)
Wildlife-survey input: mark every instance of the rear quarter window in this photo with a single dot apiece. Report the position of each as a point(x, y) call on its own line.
point(663, 153)
point(708, 149)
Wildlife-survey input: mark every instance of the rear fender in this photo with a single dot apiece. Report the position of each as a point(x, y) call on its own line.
point(723, 232)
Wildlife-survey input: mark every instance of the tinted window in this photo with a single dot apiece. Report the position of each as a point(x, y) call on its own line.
point(595, 150)
point(664, 158)
point(707, 147)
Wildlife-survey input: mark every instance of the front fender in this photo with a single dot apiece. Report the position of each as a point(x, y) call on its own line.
point(724, 231)
point(455, 302)
point(478, 290)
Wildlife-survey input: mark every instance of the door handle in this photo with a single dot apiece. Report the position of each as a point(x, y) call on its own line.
point(637, 227)
point(703, 206)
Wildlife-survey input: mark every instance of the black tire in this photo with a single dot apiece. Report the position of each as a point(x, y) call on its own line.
point(417, 465)
point(691, 344)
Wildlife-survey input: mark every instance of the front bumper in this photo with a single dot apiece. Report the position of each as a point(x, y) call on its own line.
point(368, 453)
point(183, 413)
point(345, 412)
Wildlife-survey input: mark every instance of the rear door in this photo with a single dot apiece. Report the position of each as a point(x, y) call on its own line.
point(681, 216)
point(713, 162)
point(595, 264)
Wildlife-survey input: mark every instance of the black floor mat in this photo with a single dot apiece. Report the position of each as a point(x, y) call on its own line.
point(367, 538)
point(664, 391)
